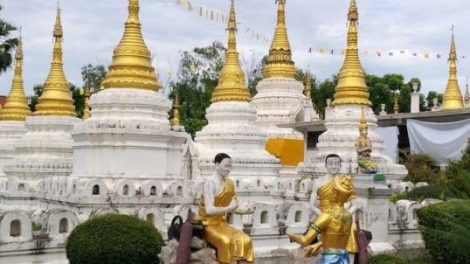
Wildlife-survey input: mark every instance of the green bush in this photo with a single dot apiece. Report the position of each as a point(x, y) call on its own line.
point(421, 168)
point(445, 228)
point(386, 259)
point(114, 239)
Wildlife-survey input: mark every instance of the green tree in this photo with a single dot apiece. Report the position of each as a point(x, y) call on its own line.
point(197, 77)
point(92, 76)
point(323, 91)
point(7, 44)
point(430, 99)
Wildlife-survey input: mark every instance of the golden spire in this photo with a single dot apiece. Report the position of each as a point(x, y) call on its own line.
point(56, 99)
point(280, 63)
point(16, 107)
point(86, 107)
point(232, 86)
point(308, 88)
point(175, 121)
point(132, 66)
point(352, 88)
point(452, 98)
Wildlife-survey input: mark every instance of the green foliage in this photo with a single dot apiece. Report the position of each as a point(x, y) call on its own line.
point(421, 168)
point(430, 97)
point(7, 44)
point(198, 75)
point(386, 259)
point(114, 239)
point(92, 76)
point(323, 91)
point(445, 228)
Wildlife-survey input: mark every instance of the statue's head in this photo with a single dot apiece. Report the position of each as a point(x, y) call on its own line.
point(333, 164)
point(223, 164)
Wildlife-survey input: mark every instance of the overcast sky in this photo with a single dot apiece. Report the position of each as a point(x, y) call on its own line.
point(93, 28)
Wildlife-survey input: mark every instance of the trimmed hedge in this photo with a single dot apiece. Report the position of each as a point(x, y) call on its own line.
point(114, 239)
point(445, 228)
point(386, 259)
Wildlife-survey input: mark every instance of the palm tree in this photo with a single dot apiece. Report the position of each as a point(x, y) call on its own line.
point(7, 45)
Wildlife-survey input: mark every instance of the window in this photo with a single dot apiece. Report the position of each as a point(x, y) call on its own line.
point(151, 218)
point(298, 216)
point(96, 190)
point(21, 187)
point(125, 190)
point(63, 226)
point(179, 191)
point(264, 217)
point(153, 190)
point(15, 228)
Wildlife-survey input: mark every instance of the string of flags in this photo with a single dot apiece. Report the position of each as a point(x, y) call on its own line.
point(382, 53)
point(219, 17)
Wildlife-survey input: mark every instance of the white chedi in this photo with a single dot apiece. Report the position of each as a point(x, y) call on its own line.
point(10, 132)
point(281, 101)
point(342, 131)
point(128, 137)
point(232, 130)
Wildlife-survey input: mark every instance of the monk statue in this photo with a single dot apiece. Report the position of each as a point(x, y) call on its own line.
point(364, 148)
point(334, 224)
point(217, 200)
point(333, 167)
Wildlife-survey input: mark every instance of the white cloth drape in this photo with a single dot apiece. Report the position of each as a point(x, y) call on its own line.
point(442, 141)
point(390, 137)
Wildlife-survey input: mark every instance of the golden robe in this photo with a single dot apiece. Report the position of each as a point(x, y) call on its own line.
point(231, 244)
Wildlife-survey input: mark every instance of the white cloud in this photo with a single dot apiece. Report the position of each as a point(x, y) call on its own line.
point(93, 28)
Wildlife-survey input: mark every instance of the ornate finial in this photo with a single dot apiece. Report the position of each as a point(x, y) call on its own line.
point(308, 88)
point(467, 95)
point(352, 88)
point(56, 99)
point(452, 98)
point(16, 106)
point(175, 121)
point(280, 63)
point(396, 106)
point(363, 120)
point(131, 66)
point(232, 86)
point(86, 106)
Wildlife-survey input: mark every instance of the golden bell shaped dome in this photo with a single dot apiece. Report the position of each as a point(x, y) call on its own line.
point(56, 99)
point(452, 98)
point(132, 66)
point(280, 63)
point(16, 107)
point(231, 86)
point(352, 88)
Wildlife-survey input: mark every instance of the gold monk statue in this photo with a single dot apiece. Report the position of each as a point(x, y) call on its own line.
point(333, 167)
point(364, 147)
point(334, 223)
point(218, 199)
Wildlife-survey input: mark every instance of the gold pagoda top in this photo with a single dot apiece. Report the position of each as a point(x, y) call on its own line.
point(280, 63)
point(132, 66)
point(16, 107)
point(56, 99)
point(232, 86)
point(352, 88)
point(452, 98)
point(308, 88)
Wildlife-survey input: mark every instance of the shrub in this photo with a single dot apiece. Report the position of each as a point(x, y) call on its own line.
point(114, 239)
point(445, 228)
point(386, 259)
point(421, 168)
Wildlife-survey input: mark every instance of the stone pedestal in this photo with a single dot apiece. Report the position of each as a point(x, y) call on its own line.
point(415, 102)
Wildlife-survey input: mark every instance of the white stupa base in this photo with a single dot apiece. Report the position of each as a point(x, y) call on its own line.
point(10, 132)
point(232, 130)
point(281, 101)
point(128, 138)
point(342, 132)
point(45, 150)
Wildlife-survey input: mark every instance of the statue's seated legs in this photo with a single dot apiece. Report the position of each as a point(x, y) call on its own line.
point(231, 244)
